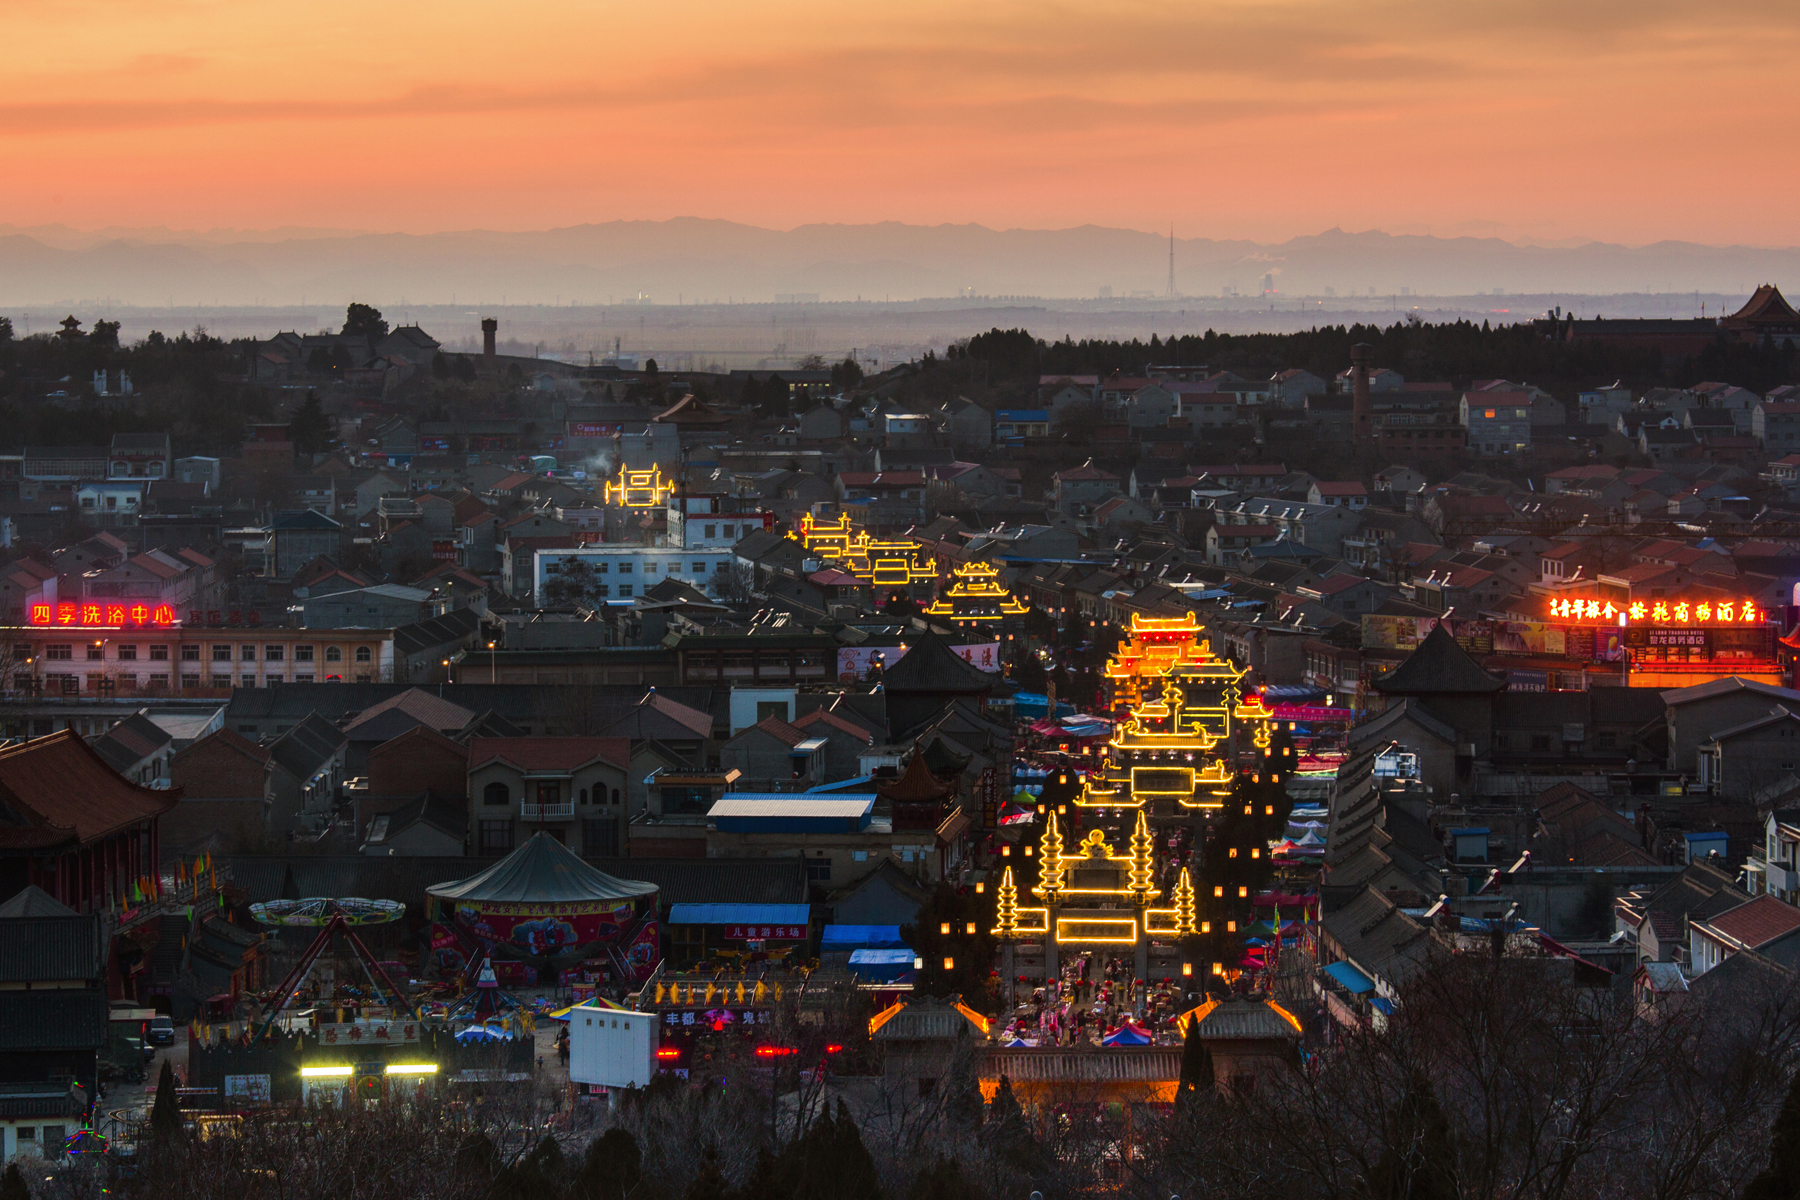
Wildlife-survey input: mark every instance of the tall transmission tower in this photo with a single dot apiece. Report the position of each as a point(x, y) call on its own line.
point(1171, 260)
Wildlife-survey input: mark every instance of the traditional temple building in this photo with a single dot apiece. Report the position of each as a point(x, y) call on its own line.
point(1766, 319)
point(73, 826)
point(929, 677)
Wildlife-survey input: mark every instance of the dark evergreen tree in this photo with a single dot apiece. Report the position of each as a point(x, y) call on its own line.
point(365, 320)
point(13, 1185)
point(440, 366)
point(165, 1112)
point(943, 1180)
point(971, 954)
point(464, 368)
point(612, 1167)
point(477, 1157)
point(310, 429)
point(1197, 1083)
point(1781, 1180)
point(846, 374)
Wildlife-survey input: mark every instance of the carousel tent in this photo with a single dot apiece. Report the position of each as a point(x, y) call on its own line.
point(542, 871)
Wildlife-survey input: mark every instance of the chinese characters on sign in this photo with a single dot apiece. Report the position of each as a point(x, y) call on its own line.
point(363, 1033)
point(1660, 612)
point(747, 1016)
point(792, 933)
point(89, 614)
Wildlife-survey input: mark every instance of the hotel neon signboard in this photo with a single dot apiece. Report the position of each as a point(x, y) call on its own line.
point(88, 615)
point(1675, 613)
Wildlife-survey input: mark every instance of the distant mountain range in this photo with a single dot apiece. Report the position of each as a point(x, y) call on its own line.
point(689, 259)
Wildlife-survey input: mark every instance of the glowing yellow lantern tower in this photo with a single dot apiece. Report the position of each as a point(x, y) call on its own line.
point(977, 597)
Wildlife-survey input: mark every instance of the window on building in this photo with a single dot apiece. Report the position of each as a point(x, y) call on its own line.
point(159, 682)
point(190, 681)
point(818, 870)
point(584, 795)
point(625, 568)
point(731, 531)
point(333, 654)
point(248, 681)
point(59, 652)
point(221, 653)
point(625, 591)
point(496, 793)
point(494, 838)
point(221, 681)
point(127, 652)
point(549, 793)
point(712, 531)
point(247, 653)
point(96, 652)
point(362, 654)
point(699, 568)
point(274, 653)
point(615, 795)
point(159, 654)
point(303, 653)
point(600, 837)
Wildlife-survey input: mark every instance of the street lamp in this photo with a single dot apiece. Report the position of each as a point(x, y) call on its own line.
point(493, 671)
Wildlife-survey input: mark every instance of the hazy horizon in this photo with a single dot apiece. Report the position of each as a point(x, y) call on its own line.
point(708, 261)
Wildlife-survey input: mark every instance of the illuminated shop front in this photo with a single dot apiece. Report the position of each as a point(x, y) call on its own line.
point(86, 652)
point(1676, 641)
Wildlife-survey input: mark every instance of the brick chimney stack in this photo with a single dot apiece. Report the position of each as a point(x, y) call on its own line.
point(489, 327)
point(1362, 414)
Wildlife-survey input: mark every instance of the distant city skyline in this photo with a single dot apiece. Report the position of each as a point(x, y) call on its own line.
point(1626, 123)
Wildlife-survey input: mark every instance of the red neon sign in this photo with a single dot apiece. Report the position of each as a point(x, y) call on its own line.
point(89, 615)
point(1661, 612)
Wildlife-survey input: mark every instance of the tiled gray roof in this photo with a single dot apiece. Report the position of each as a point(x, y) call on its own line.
point(53, 1019)
point(43, 948)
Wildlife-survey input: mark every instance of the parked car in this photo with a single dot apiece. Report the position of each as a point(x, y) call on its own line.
point(162, 1031)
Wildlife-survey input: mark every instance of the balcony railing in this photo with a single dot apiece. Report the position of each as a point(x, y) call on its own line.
point(547, 812)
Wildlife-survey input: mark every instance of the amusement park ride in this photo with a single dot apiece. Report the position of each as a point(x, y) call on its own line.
point(331, 918)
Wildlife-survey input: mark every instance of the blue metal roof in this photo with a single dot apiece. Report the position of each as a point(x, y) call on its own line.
point(840, 785)
point(901, 956)
point(851, 937)
point(1354, 981)
point(1471, 831)
point(739, 914)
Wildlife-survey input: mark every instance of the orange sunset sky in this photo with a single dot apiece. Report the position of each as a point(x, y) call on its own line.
point(1626, 121)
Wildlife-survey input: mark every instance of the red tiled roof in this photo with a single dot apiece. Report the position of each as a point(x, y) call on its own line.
point(59, 788)
point(548, 753)
point(820, 716)
point(1755, 923)
point(1340, 489)
point(780, 730)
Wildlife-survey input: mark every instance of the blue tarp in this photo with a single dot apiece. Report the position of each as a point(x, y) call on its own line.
point(1354, 981)
point(1382, 1005)
point(739, 914)
point(881, 966)
point(858, 937)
